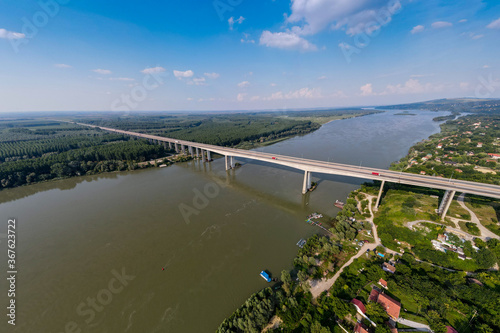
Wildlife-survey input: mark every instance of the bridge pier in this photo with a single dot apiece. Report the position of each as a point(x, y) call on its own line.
point(176, 148)
point(203, 156)
point(197, 152)
point(190, 148)
point(233, 164)
point(379, 194)
point(445, 203)
point(307, 182)
point(209, 156)
point(170, 145)
point(183, 149)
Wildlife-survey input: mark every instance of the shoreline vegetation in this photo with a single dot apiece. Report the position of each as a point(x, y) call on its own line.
point(35, 150)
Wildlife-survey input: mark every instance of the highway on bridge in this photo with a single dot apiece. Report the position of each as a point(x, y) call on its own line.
point(309, 166)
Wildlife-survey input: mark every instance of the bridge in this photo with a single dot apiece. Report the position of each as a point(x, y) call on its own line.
point(203, 151)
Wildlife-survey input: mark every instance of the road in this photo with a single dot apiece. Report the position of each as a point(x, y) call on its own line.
point(485, 232)
point(308, 165)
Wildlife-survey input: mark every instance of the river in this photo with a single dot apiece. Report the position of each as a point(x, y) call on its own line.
point(178, 249)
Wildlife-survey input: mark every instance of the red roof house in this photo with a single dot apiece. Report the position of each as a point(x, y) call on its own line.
point(450, 329)
point(360, 328)
point(383, 283)
point(359, 305)
point(391, 306)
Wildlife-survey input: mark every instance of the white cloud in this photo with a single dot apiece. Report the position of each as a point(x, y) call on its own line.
point(198, 81)
point(62, 66)
point(5, 34)
point(417, 29)
point(304, 93)
point(244, 84)
point(241, 97)
point(322, 77)
point(366, 90)
point(412, 86)
point(102, 71)
point(441, 24)
point(462, 21)
point(232, 21)
point(286, 40)
point(212, 75)
point(494, 25)
point(464, 85)
point(474, 36)
point(273, 84)
point(121, 79)
point(186, 74)
point(353, 17)
point(190, 99)
point(247, 39)
point(486, 66)
point(153, 70)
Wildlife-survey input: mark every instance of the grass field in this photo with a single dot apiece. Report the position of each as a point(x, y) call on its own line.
point(486, 211)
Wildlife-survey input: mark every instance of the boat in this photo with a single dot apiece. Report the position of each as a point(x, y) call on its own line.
point(339, 204)
point(301, 243)
point(265, 276)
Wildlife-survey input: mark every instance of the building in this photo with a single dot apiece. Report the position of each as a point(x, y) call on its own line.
point(479, 145)
point(391, 306)
point(494, 156)
point(383, 283)
point(388, 268)
point(360, 328)
point(450, 329)
point(360, 307)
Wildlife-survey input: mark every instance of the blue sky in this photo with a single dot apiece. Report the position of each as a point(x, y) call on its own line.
point(244, 55)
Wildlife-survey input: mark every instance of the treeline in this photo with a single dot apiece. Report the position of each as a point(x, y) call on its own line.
point(222, 130)
point(17, 150)
point(89, 160)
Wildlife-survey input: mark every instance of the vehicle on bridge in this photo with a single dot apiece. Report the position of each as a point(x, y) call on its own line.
point(274, 158)
point(375, 173)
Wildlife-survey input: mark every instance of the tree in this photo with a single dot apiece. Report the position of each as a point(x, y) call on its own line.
point(376, 313)
point(287, 281)
point(317, 328)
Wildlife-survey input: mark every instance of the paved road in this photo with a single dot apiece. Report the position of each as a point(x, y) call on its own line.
point(450, 229)
point(485, 232)
point(333, 168)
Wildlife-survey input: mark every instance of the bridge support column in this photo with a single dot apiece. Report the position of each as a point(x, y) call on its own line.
point(176, 148)
point(197, 152)
point(170, 145)
point(190, 148)
point(183, 149)
point(203, 156)
point(209, 156)
point(226, 162)
point(307, 182)
point(379, 195)
point(164, 145)
point(445, 203)
point(233, 164)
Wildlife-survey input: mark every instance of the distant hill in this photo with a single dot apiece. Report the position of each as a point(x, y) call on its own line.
point(474, 105)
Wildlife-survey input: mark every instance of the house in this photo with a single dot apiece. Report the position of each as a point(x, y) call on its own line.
point(422, 172)
point(391, 306)
point(360, 307)
point(459, 170)
point(479, 145)
point(450, 329)
point(439, 146)
point(388, 268)
point(494, 156)
point(450, 163)
point(360, 328)
point(383, 283)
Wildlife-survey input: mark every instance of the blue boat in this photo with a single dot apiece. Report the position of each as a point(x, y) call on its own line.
point(265, 276)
